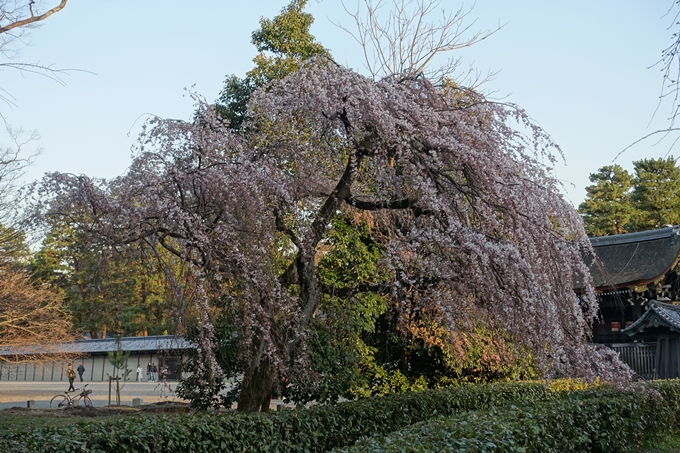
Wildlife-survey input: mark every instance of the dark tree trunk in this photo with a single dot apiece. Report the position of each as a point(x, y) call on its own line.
point(266, 403)
point(257, 386)
point(260, 377)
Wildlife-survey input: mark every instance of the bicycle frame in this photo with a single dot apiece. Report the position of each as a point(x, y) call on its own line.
point(66, 400)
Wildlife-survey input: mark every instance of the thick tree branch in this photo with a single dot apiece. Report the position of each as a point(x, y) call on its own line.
point(281, 226)
point(334, 200)
point(33, 18)
point(405, 203)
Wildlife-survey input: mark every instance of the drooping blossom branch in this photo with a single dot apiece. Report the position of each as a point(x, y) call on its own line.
point(476, 228)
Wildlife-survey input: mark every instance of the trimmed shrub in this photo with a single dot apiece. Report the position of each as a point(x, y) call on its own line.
point(316, 429)
point(325, 427)
point(599, 422)
point(493, 417)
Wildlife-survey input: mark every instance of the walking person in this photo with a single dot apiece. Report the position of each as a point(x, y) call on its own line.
point(154, 372)
point(139, 373)
point(71, 375)
point(164, 373)
point(81, 370)
point(149, 371)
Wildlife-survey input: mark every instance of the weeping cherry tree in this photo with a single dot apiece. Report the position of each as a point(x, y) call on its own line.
point(478, 231)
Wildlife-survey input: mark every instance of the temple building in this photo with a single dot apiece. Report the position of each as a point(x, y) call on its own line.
point(636, 281)
point(629, 271)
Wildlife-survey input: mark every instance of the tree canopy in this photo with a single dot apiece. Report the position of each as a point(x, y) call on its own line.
point(122, 290)
point(282, 44)
point(656, 193)
point(607, 208)
point(619, 202)
point(475, 229)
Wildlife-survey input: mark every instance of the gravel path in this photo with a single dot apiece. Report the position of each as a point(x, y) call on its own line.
point(14, 394)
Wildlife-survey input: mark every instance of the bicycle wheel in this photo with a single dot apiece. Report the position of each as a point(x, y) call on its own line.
point(58, 402)
point(86, 401)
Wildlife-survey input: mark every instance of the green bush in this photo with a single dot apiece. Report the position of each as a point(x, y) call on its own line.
point(316, 429)
point(493, 417)
point(325, 427)
point(589, 421)
point(665, 421)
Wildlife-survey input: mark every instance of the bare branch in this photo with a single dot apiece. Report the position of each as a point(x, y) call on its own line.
point(670, 84)
point(32, 320)
point(366, 205)
point(16, 22)
point(407, 39)
point(651, 134)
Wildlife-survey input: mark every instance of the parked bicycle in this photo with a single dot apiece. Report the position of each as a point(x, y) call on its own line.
point(66, 399)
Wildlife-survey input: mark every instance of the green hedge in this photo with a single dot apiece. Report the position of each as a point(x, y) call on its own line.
point(585, 421)
point(323, 428)
point(596, 420)
point(316, 429)
point(326, 427)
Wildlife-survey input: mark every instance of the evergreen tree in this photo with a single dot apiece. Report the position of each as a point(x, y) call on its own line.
point(656, 194)
point(120, 290)
point(282, 43)
point(607, 208)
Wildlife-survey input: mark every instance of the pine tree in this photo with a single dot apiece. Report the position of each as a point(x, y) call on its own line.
point(656, 194)
point(607, 208)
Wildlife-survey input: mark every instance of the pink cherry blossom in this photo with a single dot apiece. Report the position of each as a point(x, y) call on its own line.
point(477, 226)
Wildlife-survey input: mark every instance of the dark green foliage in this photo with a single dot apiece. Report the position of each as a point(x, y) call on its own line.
point(667, 441)
point(317, 429)
point(118, 358)
point(200, 386)
point(342, 364)
point(607, 208)
point(358, 348)
point(169, 433)
point(426, 353)
point(120, 290)
point(584, 421)
point(282, 43)
point(618, 202)
point(593, 420)
point(326, 427)
point(656, 194)
point(233, 101)
point(517, 417)
point(14, 251)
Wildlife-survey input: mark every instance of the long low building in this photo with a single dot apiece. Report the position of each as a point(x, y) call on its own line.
point(163, 351)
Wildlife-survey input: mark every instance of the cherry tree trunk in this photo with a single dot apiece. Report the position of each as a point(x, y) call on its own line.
point(257, 387)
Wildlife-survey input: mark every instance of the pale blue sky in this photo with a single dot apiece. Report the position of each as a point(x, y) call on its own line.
point(580, 68)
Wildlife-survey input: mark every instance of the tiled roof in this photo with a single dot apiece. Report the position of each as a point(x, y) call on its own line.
point(640, 236)
point(134, 344)
point(634, 258)
point(658, 314)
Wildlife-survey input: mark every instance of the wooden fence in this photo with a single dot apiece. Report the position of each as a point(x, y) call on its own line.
point(641, 357)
